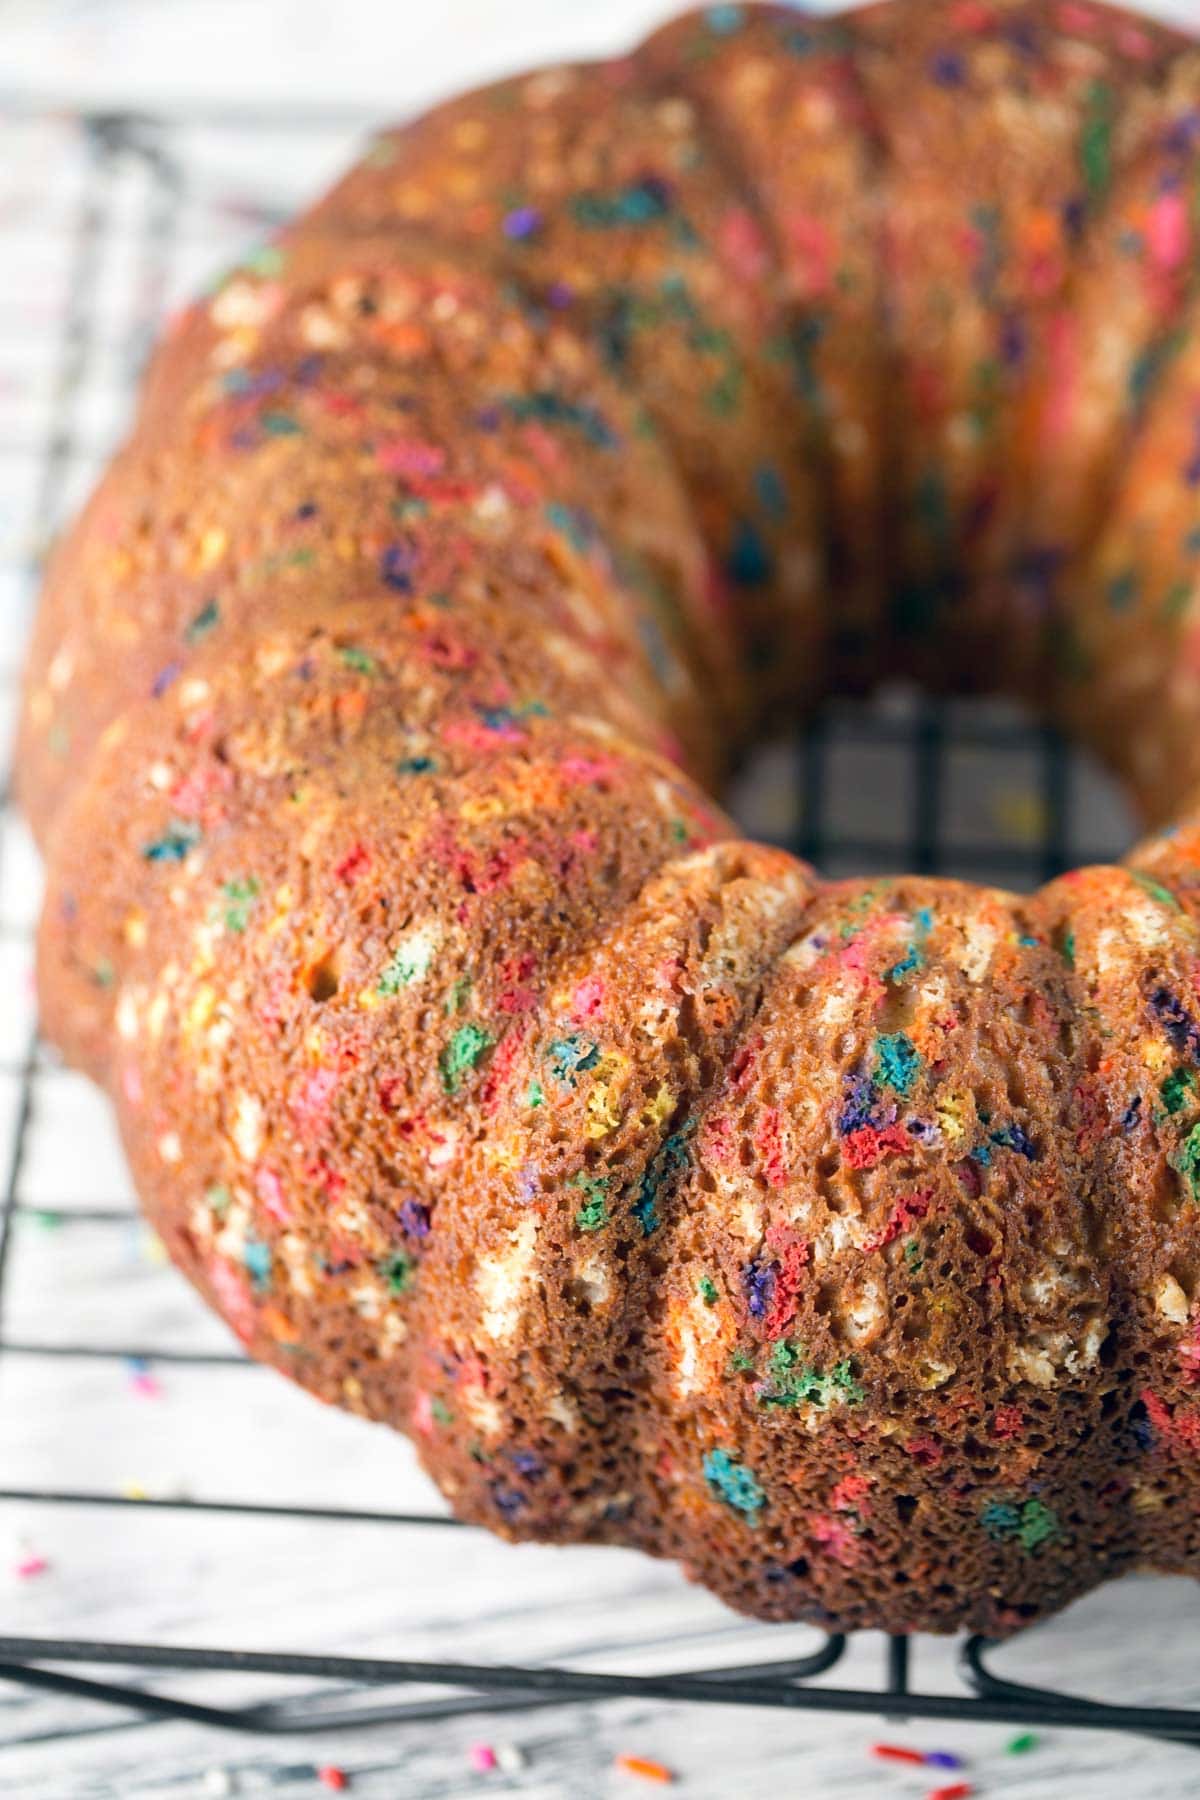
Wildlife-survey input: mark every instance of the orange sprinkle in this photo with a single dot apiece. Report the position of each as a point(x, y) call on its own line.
point(645, 1768)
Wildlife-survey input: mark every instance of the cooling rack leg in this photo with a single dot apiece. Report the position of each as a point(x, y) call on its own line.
point(897, 1673)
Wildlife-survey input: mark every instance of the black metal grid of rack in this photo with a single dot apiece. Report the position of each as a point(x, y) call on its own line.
point(924, 734)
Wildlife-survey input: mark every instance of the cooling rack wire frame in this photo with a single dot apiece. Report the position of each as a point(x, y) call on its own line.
point(922, 762)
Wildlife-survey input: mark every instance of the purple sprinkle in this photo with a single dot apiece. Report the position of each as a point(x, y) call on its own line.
point(164, 678)
point(759, 1282)
point(1013, 341)
point(1175, 1020)
point(1074, 213)
point(398, 566)
point(943, 1759)
point(560, 296)
point(509, 1501)
point(948, 69)
point(523, 222)
point(414, 1217)
point(527, 1464)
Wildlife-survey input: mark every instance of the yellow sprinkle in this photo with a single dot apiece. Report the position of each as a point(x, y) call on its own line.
point(659, 1108)
point(212, 547)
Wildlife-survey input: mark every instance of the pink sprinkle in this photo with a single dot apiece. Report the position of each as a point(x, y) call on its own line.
point(811, 245)
point(1132, 41)
point(422, 1414)
point(743, 244)
point(835, 1536)
point(1073, 17)
point(408, 456)
point(269, 1189)
point(588, 998)
point(1167, 232)
point(482, 1758)
point(31, 1565)
point(1064, 371)
point(970, 15)
point(145, 1384)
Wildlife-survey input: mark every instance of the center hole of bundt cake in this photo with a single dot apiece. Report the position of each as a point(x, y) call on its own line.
point(976, 788)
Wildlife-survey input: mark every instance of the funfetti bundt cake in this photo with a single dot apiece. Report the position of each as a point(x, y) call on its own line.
point(841, 1240)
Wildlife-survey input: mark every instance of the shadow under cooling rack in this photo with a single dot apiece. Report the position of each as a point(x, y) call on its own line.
point(901, 783)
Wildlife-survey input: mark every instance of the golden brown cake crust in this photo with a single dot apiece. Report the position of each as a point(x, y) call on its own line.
point(839, 1240)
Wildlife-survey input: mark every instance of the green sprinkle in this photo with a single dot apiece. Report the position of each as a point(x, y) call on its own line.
point(708, 1291)
point(1029, 1524)
point(218, 1198)
point(354, 658)
point(462, 1053)
point(792, 1381)
point(1095, 146)
point(204, 622)
point(1067, 950)
point(278, 424)
point(268, 259)
point(1023, 1742)
point(397, 1271)
point(1186, 1159)
point(440, 1412)
point(239, 896)
point(457, 995)
point(592, 1215)
point(535, 1096)
point(734, 1483)
point(897, 1063)
point(1175, 1088)
point(1156, 890)
point(594, 1212)
point(103, 973)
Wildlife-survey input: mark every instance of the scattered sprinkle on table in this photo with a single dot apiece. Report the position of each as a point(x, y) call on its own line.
point(510, 1758)
point(896, 1753)
point(958, 1790)
point(142, 1380)
point(482, 1758)
point(1024, 1740)
point(644, 1767)
point(30, 1564)
point(942, 1759)
point(333, 1777)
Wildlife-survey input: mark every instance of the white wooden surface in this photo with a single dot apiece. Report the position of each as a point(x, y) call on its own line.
point(219, 1431)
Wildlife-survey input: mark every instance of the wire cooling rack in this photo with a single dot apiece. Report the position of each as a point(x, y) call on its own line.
point(143, 208)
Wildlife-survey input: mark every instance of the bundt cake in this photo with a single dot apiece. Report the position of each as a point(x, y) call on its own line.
point(839, 1239)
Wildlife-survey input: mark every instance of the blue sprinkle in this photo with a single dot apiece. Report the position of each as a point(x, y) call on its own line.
point(734, 1483)
point(947, 69)
point(523, 222)
point(749, 560)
